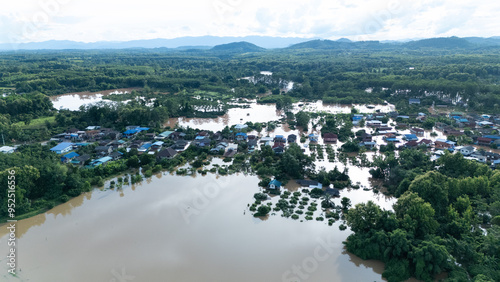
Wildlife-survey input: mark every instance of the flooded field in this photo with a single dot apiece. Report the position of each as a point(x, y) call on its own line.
point(73, 101)
point(174, 228)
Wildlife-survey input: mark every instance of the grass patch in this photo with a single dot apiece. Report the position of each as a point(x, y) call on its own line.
point(37, 123)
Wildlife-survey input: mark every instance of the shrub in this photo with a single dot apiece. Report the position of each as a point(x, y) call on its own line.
point(260, 196)
point(263, 210)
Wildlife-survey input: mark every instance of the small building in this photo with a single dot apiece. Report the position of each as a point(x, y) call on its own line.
point(230, 153)
point(62, 148)
point(279, 138)
point(466, 150)
point(7, 150)
point(164, 135)
point(278, 150)
point(166, 153)
point(157, 144)
point(131, 127)
point(274, 185)
point(374, 123)
point(100, 161)
point(180, 145)
point(240, 136)
point(292, 138)
point(493, 137)
point(483, 141)
point(333, 192)
point(117, 144)
point(411, 144)
point(116, 155)
point(266, 139)
point(417, 131)
point(240, 127)
point(478, 157)
point(68, 157)
point(177, 135)
point(443, 145)
point(145, 147)
point(412, 101)
point(366, 137)
point(394, 140)
point(330, 137)
point(204, 141)
point(81, 159)
point(369, 145)
point(310, 184)
point(484, 123)
point(131, 132)
point(313, 137)
point(426, 142)
point(103, 150)
point(357, 117)
point(410, 137)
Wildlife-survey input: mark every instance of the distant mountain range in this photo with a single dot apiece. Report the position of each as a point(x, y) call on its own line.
point(200, 42)
point(258, 44)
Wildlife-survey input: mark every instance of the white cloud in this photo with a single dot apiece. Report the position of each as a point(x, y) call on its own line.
point(96, 20)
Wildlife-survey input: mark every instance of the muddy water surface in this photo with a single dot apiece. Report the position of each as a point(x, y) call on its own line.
point(73, 101)
point(173, 228)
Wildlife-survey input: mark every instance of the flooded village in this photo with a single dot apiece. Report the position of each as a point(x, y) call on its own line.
point(176, 219)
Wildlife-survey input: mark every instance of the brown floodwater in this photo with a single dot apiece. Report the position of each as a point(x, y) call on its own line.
point(183, 228)
point(73, 101)
point(255, 113)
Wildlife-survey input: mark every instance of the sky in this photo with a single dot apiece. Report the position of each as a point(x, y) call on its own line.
point(124, 20)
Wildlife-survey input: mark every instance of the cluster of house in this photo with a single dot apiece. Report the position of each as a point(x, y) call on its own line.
point(470, 152)
point(109, 141)
point(311, 184)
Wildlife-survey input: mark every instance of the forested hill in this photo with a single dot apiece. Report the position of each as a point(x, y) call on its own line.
point(238, 47)
point(450, 42)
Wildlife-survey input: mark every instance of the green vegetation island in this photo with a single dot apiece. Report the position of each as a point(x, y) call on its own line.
point(421, 116)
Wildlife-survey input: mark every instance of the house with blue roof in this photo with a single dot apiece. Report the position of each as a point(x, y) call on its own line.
point(313, 137)
point(68, 157)
point(280, 138)
point(494, 137)
point(62, 148)
point(410, 137)
point(240, 136)
point(131, 132)
point(357, 117)
point(274, 185)
point(145, 147)
point(100, 161)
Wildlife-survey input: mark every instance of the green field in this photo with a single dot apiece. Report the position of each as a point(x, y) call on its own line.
point(37, 123)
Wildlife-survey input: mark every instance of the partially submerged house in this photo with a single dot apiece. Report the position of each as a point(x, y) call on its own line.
point(274, 185)
point(330, 137)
